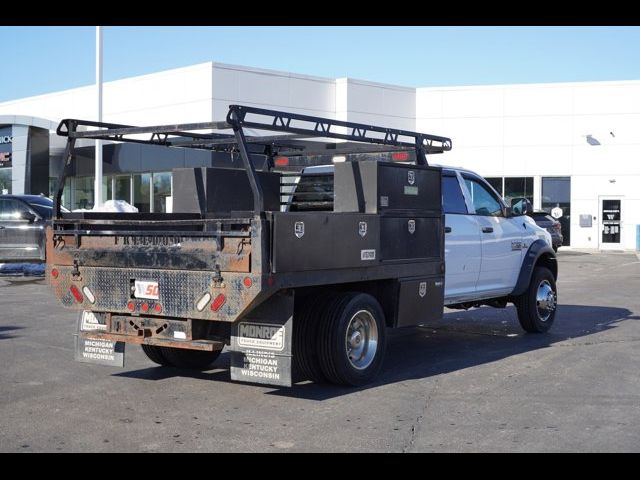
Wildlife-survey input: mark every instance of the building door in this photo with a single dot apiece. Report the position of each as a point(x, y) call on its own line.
point(610, 223)
point(556, 201)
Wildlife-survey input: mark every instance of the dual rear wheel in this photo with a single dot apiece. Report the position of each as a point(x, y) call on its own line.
point(339, 338)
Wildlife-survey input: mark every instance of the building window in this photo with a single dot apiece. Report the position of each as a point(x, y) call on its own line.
point(5, 181)
point(66, 193)
point(518, 187)
point(161, 191)
point(123, 188)
point(83, 194)
point(556, 199)
point(107, 188)
point(496, 183)
point(142, 192)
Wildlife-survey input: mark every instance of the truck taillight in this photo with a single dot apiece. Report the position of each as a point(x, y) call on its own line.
point(76, 293)
point(55, 273)
point(400, 156)
point(247, 282)
point(157, 307)
point(145, 307)
point(131, 306)
point(218, 302)
point(281, 161)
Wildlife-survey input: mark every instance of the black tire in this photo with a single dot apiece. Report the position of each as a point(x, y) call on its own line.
point(306, 320)
point(535, 317)
point(191, 359)
point(333, 346)
point(154, 353)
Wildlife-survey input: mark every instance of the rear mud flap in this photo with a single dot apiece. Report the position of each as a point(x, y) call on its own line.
point(96, 350)
point(261, 343)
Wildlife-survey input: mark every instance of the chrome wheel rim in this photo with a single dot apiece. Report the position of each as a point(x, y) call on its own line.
point(361, 340)
point(545, 300)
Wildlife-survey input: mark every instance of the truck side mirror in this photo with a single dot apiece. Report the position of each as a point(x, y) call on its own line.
point(520, 206)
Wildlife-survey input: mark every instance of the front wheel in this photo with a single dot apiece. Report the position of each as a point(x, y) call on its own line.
point(351, 339)
point(537, 306)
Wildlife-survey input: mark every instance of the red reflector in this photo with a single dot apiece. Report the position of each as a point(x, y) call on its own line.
point(218, 302)
point(400, 156)
point(55, 273)
point(247, 282)
point(76, 293)
point(158, 308)
point(145, 307)
point(131, 306)
point(281, 161)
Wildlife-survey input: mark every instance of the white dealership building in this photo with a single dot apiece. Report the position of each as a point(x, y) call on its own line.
point(571, 147)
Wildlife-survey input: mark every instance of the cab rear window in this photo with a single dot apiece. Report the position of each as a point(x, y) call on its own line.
point(452, 198)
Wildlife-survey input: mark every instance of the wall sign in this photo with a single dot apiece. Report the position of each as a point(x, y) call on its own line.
point(5, 139)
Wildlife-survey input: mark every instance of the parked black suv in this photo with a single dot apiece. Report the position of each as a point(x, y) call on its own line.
point(22, 227)
point(546, 221)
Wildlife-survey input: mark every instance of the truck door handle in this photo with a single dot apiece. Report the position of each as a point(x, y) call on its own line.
point(487, 229)
point(447, 229)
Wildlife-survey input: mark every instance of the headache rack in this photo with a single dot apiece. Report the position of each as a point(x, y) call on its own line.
point(294, 132)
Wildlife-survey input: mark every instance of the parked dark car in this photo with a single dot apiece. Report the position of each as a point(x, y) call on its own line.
point(22, 227)
point(546, 221)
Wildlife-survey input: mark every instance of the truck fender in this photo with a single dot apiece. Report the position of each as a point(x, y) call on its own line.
point(538, 251)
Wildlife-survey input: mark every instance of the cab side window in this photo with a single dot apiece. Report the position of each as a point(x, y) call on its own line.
point(484, 201)
point(452, 198)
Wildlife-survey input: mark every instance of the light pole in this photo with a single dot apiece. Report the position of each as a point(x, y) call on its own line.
point(98, 167)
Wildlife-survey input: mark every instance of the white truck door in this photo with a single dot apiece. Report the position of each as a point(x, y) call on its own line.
point(462, 245)
point(501, 239)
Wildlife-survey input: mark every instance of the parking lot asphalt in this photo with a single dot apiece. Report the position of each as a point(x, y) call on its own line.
point(472, 382)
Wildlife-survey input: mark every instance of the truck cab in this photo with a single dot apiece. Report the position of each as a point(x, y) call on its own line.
point(486, 241)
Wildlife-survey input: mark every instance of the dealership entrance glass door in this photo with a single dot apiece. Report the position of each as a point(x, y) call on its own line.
point(610, 223)
point(556, 200)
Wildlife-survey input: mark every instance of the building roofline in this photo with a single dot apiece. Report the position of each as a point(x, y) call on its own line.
point(526, 85)
point(27, 120)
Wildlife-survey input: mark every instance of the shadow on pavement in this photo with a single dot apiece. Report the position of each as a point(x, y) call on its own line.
point(461, 340)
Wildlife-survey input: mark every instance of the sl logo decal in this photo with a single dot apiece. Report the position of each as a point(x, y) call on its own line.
point(411, 177)
point(298, 229)
point(412, 226)
point(422, 290)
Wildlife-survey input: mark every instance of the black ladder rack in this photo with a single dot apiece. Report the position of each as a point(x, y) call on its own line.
point(293, 129)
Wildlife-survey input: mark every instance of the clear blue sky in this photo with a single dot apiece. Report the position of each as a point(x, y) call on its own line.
point(45, 59)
